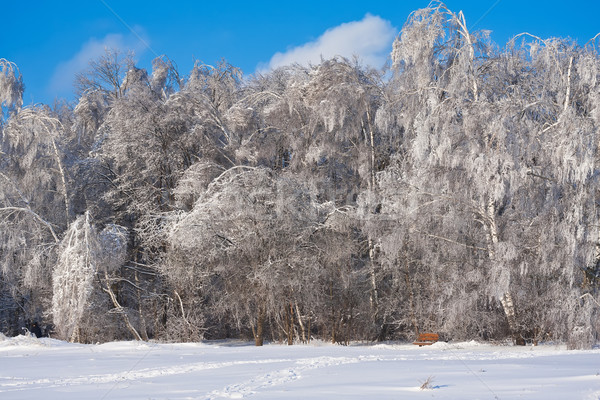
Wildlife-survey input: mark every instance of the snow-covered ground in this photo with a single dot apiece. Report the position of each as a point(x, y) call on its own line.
point(49, 369)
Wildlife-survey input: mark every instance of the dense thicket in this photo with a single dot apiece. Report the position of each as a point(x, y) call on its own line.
point(455, 192)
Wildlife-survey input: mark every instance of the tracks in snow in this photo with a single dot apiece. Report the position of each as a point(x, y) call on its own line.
point(282, 376)
point(292, 371)
point(9, 383)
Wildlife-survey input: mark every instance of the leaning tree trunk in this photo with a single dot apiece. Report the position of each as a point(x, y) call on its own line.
point(108, 289)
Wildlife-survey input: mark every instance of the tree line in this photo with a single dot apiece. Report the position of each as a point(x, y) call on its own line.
point(455, 191)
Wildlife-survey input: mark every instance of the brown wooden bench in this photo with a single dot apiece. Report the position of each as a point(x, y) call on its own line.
point(425, 339)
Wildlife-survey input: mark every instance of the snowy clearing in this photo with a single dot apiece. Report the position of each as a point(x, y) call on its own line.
point(50, 369)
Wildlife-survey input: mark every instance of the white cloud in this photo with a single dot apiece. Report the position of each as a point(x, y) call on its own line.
point(61, 83)
point(370, 39)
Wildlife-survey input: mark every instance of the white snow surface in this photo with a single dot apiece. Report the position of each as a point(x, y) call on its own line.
point(45, 368)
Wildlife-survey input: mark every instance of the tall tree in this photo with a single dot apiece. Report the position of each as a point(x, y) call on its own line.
point(34, 206)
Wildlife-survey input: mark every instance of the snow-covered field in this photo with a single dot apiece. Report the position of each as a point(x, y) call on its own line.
point(49, 369)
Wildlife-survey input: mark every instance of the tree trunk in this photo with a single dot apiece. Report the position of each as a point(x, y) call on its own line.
point(333, 314)
point(260, 327)
point(301, 324)
point(63, 179)
point(465, 34)
point(289, 315)
point(75, 336)
point(489, 216)
point(373, 279)
point(411, 296)
point(509, 310)
point(372, 267)
point(190, 328)
point(143, 331)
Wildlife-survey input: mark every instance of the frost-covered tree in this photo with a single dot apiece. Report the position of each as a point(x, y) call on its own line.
point(105, 75)
point(32, 139)
point(34, 206)
point(11, 87)
point(483, 183)
point(165, 79)
point(73, 277)
point(85, 281)
point(212, 91)
point(147, 141)
point(240, 246)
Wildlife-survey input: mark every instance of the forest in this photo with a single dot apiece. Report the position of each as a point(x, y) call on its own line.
point(455, 191)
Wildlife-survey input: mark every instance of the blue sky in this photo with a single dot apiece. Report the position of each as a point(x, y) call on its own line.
point(52, 40)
